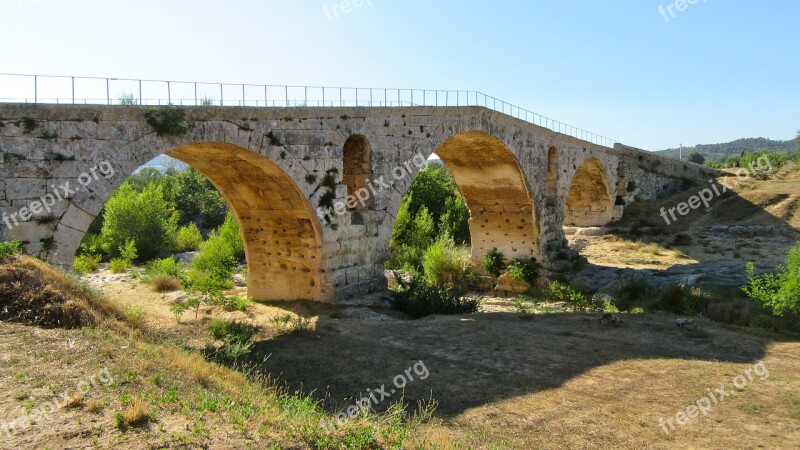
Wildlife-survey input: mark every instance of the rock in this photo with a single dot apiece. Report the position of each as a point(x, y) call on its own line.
point(185, 258)
point(507, 284)
point(611, 319)
point(686, 324)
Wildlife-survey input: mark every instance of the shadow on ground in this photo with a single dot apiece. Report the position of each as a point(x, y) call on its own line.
point(479, 359)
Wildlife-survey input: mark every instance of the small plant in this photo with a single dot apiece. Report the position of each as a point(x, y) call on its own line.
point(133, 312)
point(778, 291)
point(493, 262)
point(682, 239)
point(127, 99)
point(166, 267)
point(86, 263)
point(273, 140)
point(230, 331)
point(207, 101)
point(444, 262)
point(135, 415)
point(289, 323)
point(418, 299)
point(9, 249)
point(236, 303)
point(167, 121)
point(311, 178)
point(570, 295)
point(28, 125)
point(119, 265)
point(50, 136)
point(523, 269)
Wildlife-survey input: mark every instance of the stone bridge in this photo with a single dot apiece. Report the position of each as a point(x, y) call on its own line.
point(281, 169)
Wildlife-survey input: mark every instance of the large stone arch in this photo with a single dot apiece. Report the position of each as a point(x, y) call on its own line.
point(590, 200)
point(502, 210)
point(282, 235)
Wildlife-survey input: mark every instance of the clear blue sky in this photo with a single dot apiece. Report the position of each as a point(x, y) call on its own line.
point(717, 71)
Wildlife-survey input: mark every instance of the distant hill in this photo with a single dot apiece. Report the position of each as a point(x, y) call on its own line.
point(720, 151)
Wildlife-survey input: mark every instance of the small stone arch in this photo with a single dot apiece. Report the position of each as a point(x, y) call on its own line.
point(357, 168)
point(589, 201)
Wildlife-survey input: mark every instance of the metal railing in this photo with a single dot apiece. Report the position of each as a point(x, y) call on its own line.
point(22, 88)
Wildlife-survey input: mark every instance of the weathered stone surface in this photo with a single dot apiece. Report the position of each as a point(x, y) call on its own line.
point(521, 182)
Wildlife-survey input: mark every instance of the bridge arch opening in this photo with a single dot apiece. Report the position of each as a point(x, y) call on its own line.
point(501, 209)
point(357, 168)
point(552, 176)
point(281, 235)
point(589, 201)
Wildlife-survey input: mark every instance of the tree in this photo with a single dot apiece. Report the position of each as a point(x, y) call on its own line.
point(696, 158)
point(197, 198)
point(141, 217)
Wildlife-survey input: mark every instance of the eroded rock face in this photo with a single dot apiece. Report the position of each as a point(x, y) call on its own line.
point(270, 165)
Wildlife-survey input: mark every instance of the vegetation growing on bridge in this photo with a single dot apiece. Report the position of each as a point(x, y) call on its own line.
point(167, 120)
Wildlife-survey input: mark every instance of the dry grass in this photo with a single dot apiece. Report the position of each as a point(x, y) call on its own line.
point(136, 414)
point(75, 401)
point(92, 406)
point(165, 283)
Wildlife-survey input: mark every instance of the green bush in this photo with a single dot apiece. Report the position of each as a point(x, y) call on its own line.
point(119, 265)
point(493, 262)
point(166, 267)
point(236, 303)
point(222, 252)
point(196, 198)
point(418, 299)
point(634, 292)
point(524, 269)
point(188, 238)
point(9, 249)
point(86, 263)
point(444, 263)
point(570, 295)
point(143, 218)
point(232, 330)
point(412, 234)
point(167, 120)
point(780, 290)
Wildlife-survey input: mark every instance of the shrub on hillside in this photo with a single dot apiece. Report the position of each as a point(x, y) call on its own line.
point(9, 249)
point(418, 299)
point(780, 290)
point(412, 234)
point(85, 263)
point(166, 267)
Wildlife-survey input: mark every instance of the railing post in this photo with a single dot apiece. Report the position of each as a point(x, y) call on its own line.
point(286, 93)
point(35, 89)
point(108, 91)
point(195, 94)
point(266, 101)
point(305, 96)
point(73, 90)
point(141, 100)
point(169, 94)
point(221, 101)
point(244, 98)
